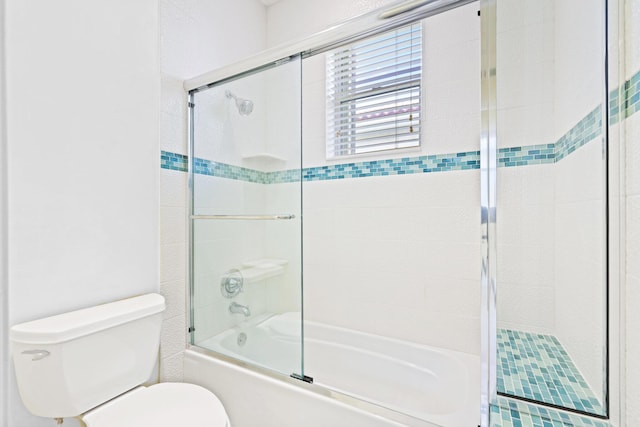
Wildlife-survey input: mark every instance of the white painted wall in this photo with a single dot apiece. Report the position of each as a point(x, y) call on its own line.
point(195, 36)
point(4, 306)
point(82, 131)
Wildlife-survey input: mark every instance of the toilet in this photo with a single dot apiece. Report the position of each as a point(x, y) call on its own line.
point(91, 364)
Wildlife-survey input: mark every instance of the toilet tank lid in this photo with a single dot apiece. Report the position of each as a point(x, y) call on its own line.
point(75, 324)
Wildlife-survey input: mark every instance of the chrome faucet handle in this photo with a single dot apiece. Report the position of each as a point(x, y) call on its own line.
point(231, 283)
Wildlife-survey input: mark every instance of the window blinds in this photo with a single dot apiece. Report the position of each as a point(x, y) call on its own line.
point(373, 89)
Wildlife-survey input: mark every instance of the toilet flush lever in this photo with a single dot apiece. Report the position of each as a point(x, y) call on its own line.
point(37, 354)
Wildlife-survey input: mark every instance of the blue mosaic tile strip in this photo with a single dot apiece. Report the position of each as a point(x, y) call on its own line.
point(404, 166)
point(614, 106)
point(512, 413)
point(631, 93)
point(527, 155)
point(537, 367)
point(586, 130)
point(583, 132)
point(279, 177)
point(223, 170)
point(174, 161)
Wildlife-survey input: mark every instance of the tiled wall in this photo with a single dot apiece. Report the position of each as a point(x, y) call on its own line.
point(193, 40)
point(585, 130)
point(632, 213)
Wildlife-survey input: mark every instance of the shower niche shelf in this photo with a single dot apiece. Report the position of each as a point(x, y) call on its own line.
point(261, 269)
point(263, 159)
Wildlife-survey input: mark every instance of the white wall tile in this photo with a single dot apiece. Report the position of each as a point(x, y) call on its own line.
point(172, 339)
point(171, 368)
point(173, 262)
point(175, 298)
point(173, 188)
point(173, 225)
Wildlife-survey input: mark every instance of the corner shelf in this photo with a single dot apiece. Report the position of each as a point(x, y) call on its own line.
point(264, 157)
point(261, 269)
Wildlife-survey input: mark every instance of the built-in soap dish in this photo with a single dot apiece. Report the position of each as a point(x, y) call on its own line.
point(259, 269)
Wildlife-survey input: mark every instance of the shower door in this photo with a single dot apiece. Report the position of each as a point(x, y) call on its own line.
point(551, 211)
point(245, 220)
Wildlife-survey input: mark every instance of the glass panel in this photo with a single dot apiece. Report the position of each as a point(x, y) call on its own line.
point(392, 244)
point(551, 208)
point(246, 224)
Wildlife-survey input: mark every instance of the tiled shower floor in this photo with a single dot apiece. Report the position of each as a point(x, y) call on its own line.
point(537, 367)
point(512, 413)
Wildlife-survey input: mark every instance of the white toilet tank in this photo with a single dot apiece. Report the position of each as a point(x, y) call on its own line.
point(72, 362)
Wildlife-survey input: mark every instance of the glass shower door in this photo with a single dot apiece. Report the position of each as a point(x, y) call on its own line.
point(246, 217)
point(552, 203)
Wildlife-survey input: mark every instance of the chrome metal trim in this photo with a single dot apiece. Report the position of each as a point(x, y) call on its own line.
point(404, 8)
point(617, 210)
point(606, 212)
point(339, 34)
point(189, 211)
point(399, 20)
point(488, 170)
point(381, 411)
point(246, 217)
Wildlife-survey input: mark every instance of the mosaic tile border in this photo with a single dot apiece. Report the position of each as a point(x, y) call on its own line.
point(404, 166)
point(512, 413)
point(174, 161)
point(224, 170)
point(537, 367)
point(586, 130)
point(631, 95)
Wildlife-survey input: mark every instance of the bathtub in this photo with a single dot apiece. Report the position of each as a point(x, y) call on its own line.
point(415, 384)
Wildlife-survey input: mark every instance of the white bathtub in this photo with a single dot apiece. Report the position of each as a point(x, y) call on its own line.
point(435, 385)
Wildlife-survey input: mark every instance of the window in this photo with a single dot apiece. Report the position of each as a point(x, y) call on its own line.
point(373, 89)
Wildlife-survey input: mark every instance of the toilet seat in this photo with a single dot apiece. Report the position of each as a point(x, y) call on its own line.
point(161, 405)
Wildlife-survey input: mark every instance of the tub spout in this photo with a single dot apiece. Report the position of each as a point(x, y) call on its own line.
point(234, 307)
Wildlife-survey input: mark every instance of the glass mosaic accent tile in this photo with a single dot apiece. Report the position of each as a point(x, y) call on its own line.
point(586, 130)
point(614, 106)
point(537, 367)
point(174, 161)
point(631, 91)
point(404, 166)
point(223, 170)
point(512, 413)
point(279, 177)
point(527, 155)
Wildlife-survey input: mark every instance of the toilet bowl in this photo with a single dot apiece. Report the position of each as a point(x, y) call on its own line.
point(160, 405)
point(91, 364)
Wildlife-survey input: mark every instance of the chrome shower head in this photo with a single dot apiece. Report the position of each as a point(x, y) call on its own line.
point(244, 106)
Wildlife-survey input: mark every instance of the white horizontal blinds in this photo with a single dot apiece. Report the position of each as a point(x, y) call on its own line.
point(374, 94)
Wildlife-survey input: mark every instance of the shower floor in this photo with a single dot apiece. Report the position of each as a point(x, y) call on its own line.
point(537, 367)
point(513, 413)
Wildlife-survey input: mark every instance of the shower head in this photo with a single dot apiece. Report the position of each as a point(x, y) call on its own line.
point(244, 106)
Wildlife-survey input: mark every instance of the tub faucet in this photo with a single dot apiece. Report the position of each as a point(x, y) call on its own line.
point(234, 307)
